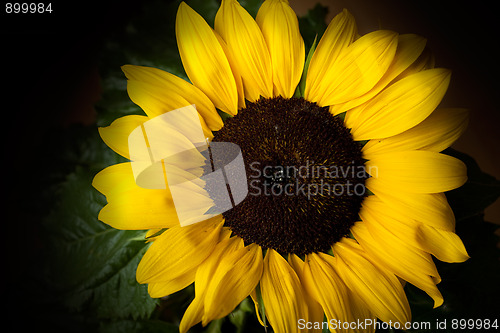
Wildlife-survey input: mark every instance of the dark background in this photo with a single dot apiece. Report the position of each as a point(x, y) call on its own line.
point(51, 80)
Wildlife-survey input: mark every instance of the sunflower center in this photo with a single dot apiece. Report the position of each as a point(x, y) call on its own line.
point(305, 175)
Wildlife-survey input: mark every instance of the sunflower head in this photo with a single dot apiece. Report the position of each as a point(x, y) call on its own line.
point(341, 152)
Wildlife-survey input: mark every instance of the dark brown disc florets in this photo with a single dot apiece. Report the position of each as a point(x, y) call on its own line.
point(305, 175)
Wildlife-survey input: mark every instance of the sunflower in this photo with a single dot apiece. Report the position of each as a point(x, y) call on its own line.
point(342, 152)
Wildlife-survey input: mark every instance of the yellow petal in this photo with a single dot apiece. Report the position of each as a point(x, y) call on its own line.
point(418, 171)
point(157, 92)
point(153, 234)
point(428, 208)
point(131, 207)
point(208, 268)
point(393, 257)
point(238, 274)
point(164, 288)
point(357, 69)
point(326, 287)
point(401, 106)
point(114, 179)
point(235, 70)
point(348, 309)
point(192, 315)
point(425, 61)
point(444, 245)
point(282, 294)
point(178, 251)
point(402, 226)
point(253, 296)
point(116, 135)
point(247, 48)
point(138, 211)
point(436, 133)
point(409, 48)
point(314, 309)
point(340, 33)
point(380, 290)
point(382, 226)
point(204, 273)
point(361, 311)
point(204, 59)
point(280, 28)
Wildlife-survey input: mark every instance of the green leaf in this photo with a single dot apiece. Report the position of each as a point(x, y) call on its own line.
point(93, 265)
point(139, 326)
point(301, 88)
point(116, 104)
point(225, 116)
point(156, 234)
point(252, 6)
point(239, 316)
point(215, 326)
point(262, 307)
point(480, 190)
point(90, 267)
point(313, 24)
point(325, 327)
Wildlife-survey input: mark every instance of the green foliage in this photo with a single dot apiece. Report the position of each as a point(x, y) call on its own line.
point(239, 316)
point(90, 267)
point(301, 88)
point(313, 25)
point(480, 191)
point(143, 326)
